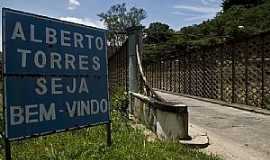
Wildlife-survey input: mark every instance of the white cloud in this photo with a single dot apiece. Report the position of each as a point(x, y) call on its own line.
point(208, 2)
point(197, 14)
point(194, 17)
point(73, 4)
point(198, 9)
point(199, 18)
point(180, 13)
point(85, 21)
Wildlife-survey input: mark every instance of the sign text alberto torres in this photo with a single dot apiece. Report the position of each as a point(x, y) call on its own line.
point(55, 75)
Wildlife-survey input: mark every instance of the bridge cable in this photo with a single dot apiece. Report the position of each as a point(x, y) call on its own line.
point(158, 97)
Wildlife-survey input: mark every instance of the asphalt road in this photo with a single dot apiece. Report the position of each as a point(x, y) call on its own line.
point(233, 134)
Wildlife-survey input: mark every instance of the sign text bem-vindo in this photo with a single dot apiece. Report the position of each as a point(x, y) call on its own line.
point(55, 75)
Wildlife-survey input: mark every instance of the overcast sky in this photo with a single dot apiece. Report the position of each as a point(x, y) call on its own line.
point(176, 13)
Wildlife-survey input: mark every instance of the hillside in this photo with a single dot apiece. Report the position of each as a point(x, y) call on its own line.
point(236, 22)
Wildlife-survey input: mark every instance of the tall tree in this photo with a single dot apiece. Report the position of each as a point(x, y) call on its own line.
point(118, 19)
point(226, 4)
point(157, 32)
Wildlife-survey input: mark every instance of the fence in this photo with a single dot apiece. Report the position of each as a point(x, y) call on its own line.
point(235, 72)
point(118, 69)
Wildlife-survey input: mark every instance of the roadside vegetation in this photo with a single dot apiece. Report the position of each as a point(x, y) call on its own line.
point(90, 143)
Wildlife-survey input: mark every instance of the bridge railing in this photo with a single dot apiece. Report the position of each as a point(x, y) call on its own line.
point(118, 68)
point(234, 72)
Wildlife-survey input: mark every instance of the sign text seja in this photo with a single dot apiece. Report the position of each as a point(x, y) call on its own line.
point(55, 75)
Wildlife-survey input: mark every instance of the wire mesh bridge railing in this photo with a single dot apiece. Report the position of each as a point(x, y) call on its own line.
point(234, 72)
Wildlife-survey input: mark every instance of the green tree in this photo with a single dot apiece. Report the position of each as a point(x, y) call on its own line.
point(226, 4)
point(157, 33)
point(118, 19)
point(190, 29)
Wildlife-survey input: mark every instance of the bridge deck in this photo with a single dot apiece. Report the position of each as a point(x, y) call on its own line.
point(235, 134)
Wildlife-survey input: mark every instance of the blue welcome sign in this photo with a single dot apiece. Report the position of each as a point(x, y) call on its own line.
point(55, 75)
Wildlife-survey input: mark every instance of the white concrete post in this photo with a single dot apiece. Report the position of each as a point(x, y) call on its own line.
point(133, 82)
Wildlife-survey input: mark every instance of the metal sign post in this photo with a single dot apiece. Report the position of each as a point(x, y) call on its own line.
point(109, 134)
point(55, 76)
point(7, 149)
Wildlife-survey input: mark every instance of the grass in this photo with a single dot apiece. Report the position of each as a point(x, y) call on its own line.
point(90, 143)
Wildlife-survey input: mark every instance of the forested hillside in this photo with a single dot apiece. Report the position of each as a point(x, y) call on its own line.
point(237, 20)
point(248, 17)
